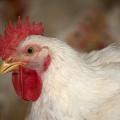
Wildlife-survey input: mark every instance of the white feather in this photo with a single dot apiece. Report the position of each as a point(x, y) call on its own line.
point(78, 86)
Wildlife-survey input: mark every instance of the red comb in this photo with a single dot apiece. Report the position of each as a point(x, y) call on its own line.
point(13, 35)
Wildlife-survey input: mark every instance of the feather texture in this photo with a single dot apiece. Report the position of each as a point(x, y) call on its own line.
point(78, 86)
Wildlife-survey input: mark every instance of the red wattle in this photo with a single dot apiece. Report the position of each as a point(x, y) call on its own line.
point(27, 84)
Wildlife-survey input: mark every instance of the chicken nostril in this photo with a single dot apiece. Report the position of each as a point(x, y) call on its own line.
point(10, 60)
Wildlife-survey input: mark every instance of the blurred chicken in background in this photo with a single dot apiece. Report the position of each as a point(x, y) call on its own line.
point(96, 29)
point(92, 32)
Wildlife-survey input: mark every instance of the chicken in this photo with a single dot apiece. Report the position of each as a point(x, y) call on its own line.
point(92, 32)
point(62, 83)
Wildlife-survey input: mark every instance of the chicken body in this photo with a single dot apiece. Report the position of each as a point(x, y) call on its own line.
point(78, 86)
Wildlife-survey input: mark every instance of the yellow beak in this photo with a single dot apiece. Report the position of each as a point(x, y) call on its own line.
point(8, 67)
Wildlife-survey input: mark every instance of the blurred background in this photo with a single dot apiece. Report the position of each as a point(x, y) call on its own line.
point(86, 25)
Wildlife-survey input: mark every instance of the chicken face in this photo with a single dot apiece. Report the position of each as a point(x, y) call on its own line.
point(26, 60)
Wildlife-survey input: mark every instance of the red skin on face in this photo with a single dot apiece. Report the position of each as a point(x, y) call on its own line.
point(27, 83)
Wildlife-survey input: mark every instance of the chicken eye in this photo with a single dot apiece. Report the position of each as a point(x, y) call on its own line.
point(30, 50)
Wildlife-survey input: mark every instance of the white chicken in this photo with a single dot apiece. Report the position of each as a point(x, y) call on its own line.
point(77, 86)
point(66, 85)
